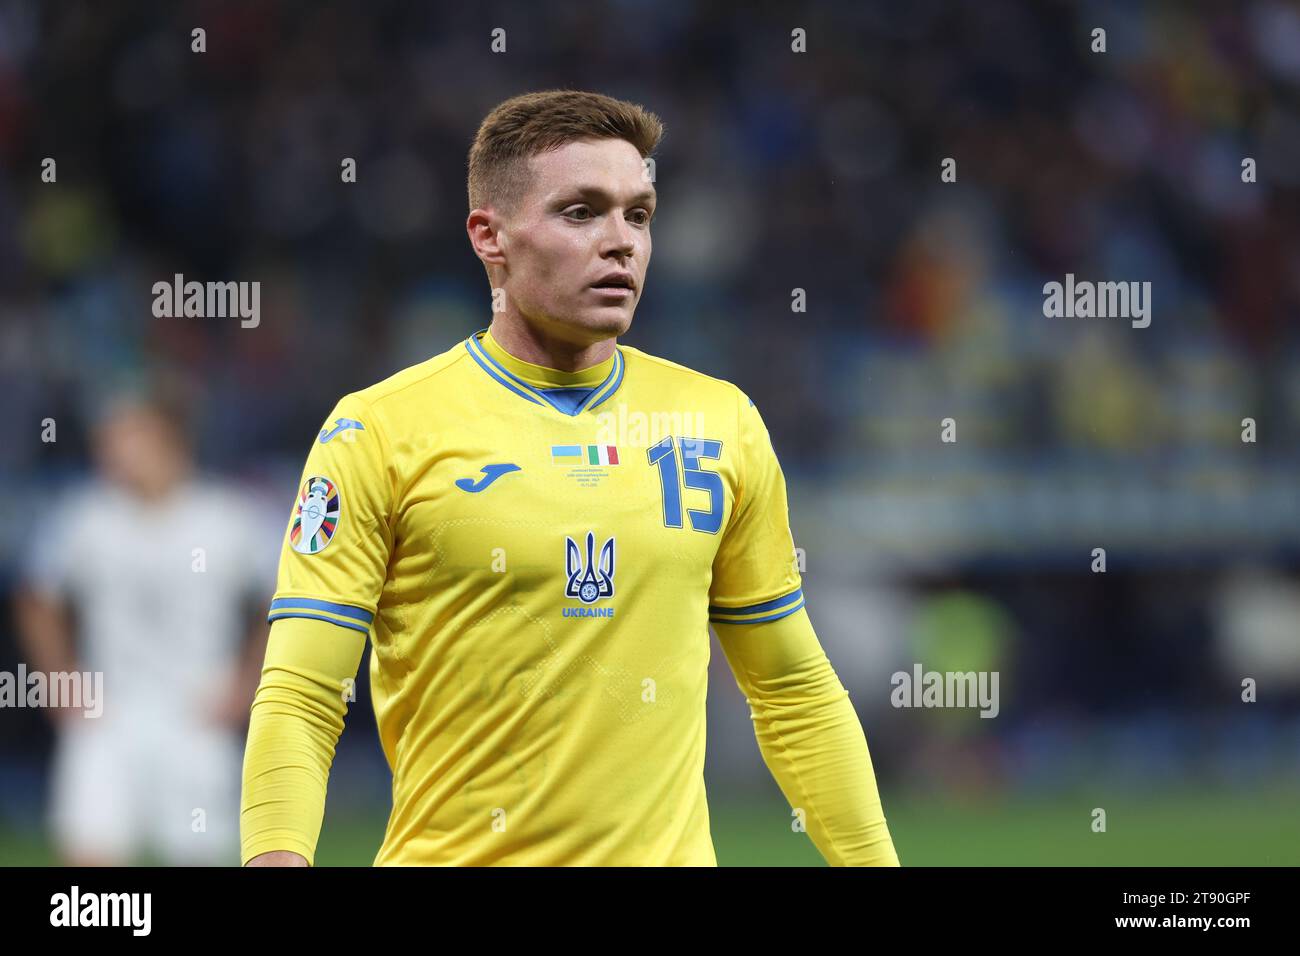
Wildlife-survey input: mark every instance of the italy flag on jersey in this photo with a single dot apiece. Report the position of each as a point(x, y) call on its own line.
point(535, 556)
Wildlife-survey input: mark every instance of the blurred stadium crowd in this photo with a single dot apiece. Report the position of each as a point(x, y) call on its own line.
point(779, 171)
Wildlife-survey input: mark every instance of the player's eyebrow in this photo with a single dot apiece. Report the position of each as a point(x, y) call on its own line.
point(596, 192)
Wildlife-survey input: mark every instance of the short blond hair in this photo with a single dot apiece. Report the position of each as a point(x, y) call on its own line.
point(533, 123)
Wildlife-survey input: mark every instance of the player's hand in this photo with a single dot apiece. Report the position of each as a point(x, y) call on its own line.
point(230, 706)
point(68, 717)
point(278, 858)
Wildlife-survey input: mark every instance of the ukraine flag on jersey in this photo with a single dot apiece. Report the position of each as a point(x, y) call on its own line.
point(535, 555)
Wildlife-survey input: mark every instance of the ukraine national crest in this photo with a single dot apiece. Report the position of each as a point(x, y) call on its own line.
point(589, 582)
point(317, 516)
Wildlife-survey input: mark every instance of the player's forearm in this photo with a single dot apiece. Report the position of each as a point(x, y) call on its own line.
point(818, 753)
point(810, 738)
point(296, 720)
point(44, 634)
point(286, 769)
point(248, 668)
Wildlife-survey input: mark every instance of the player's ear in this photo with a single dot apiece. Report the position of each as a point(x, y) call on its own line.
point(484, 229)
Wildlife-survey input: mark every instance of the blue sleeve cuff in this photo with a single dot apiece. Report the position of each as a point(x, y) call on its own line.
point(344, 615)
point(757, 613)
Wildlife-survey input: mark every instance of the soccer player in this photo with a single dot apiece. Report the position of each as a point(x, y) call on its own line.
point(146, 575)
point(537, 583)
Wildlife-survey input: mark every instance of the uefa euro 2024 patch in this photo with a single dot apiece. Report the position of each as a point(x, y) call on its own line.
point(317, 516)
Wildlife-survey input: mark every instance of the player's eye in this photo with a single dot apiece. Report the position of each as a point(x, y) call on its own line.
point(641, 217)
point(574, 213)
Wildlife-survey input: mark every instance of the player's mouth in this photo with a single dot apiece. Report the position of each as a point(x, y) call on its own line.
point(615, 286)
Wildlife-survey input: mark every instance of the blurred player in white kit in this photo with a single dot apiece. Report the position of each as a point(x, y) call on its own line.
point(158, 578)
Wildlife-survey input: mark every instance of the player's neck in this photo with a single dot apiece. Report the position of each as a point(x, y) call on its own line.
point(528, 343)
point(158, 492)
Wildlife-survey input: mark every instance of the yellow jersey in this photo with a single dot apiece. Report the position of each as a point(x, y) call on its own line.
point(536, 556)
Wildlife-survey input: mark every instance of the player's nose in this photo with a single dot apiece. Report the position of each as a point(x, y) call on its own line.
point(618, 237)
